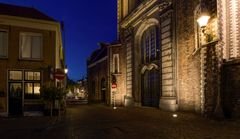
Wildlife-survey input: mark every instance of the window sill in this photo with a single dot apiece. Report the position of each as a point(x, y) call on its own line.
point(25, 59)
point(197, 50)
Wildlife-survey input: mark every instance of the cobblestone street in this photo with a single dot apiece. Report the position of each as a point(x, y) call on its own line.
point(98, 121)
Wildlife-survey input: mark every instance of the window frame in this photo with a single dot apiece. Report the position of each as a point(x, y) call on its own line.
point(116, 64)
point(5, 30)
point(147, 45)
point(31, 95)
point(9, 79)
point(31, 34)
point(33, 75)
point(26, 81)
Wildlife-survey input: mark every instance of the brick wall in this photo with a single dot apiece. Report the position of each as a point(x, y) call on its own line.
point(188, 66)
point(121, 77)
point(96, 74)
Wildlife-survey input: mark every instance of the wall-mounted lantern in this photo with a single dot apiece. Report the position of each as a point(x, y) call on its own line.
point(204, 15)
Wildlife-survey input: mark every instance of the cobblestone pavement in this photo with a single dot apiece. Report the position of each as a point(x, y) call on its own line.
point(101, 122)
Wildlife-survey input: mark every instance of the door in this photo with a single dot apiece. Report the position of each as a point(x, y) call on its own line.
point(15, 99)
point(103, 90)
point(150, 88)
point(231, 90)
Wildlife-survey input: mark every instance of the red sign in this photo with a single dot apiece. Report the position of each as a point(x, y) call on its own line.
point(59, 75)
point(114, 85)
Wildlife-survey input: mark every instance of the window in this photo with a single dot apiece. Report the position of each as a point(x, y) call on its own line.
point(32, 76)
point(3, 43)
point(31, 46)
point(15, 75)
point(32, 90)
point(32, 84)
point(115, 63)
point(149, 45)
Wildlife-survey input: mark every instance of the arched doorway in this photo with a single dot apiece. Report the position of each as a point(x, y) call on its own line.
point(103, 90)
point(150, 77)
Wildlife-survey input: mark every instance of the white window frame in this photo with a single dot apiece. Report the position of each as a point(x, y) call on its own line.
point(4, 30)
point(20, 47)
point(114, 63)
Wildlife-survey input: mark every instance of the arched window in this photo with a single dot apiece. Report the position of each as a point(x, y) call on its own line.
point(116, 63)
point(149, 45)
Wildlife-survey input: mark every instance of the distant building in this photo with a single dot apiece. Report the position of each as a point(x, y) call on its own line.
point(30, 51)
point(104, 64)
point(169, 61)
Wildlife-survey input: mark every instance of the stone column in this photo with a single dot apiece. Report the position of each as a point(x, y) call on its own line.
point(168, 99)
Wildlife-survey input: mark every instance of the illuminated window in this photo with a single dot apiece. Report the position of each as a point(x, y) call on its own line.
point(15, 75)
point(29, 75)
point(32, 85)
point(31, 46)
point(32, 90)
point(115, 63)
point(3, 43)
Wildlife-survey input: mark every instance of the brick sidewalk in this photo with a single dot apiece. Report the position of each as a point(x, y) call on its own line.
point(101, 122)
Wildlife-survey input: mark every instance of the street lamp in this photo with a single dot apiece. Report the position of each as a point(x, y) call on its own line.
point(204, 16)
point(66, 70)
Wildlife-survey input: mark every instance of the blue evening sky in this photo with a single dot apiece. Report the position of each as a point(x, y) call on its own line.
point(87, 22)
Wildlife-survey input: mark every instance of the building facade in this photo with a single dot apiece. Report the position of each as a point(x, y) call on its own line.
point(30, 50)
point(105, 65)
point(172, 63)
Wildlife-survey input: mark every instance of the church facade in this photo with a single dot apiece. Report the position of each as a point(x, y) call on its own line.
point(172, 63)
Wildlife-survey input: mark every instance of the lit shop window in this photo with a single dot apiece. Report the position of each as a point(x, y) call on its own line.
point(32, 84)
point(32, 90)
point(34, 76)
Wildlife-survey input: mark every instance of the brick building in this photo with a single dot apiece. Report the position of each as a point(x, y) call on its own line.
point(172, 63)
point(104, 64)
point(30, 50)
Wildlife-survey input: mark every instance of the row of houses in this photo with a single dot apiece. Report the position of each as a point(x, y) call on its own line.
point(166, 58)
point(31, 51)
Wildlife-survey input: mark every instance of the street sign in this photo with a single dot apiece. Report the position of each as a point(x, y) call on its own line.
point(59, 75)
point(114, 85)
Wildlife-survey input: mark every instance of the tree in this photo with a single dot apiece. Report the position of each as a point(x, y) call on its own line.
point(50, 93)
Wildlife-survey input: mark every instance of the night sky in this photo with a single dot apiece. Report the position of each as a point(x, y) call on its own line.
point(86, 23)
